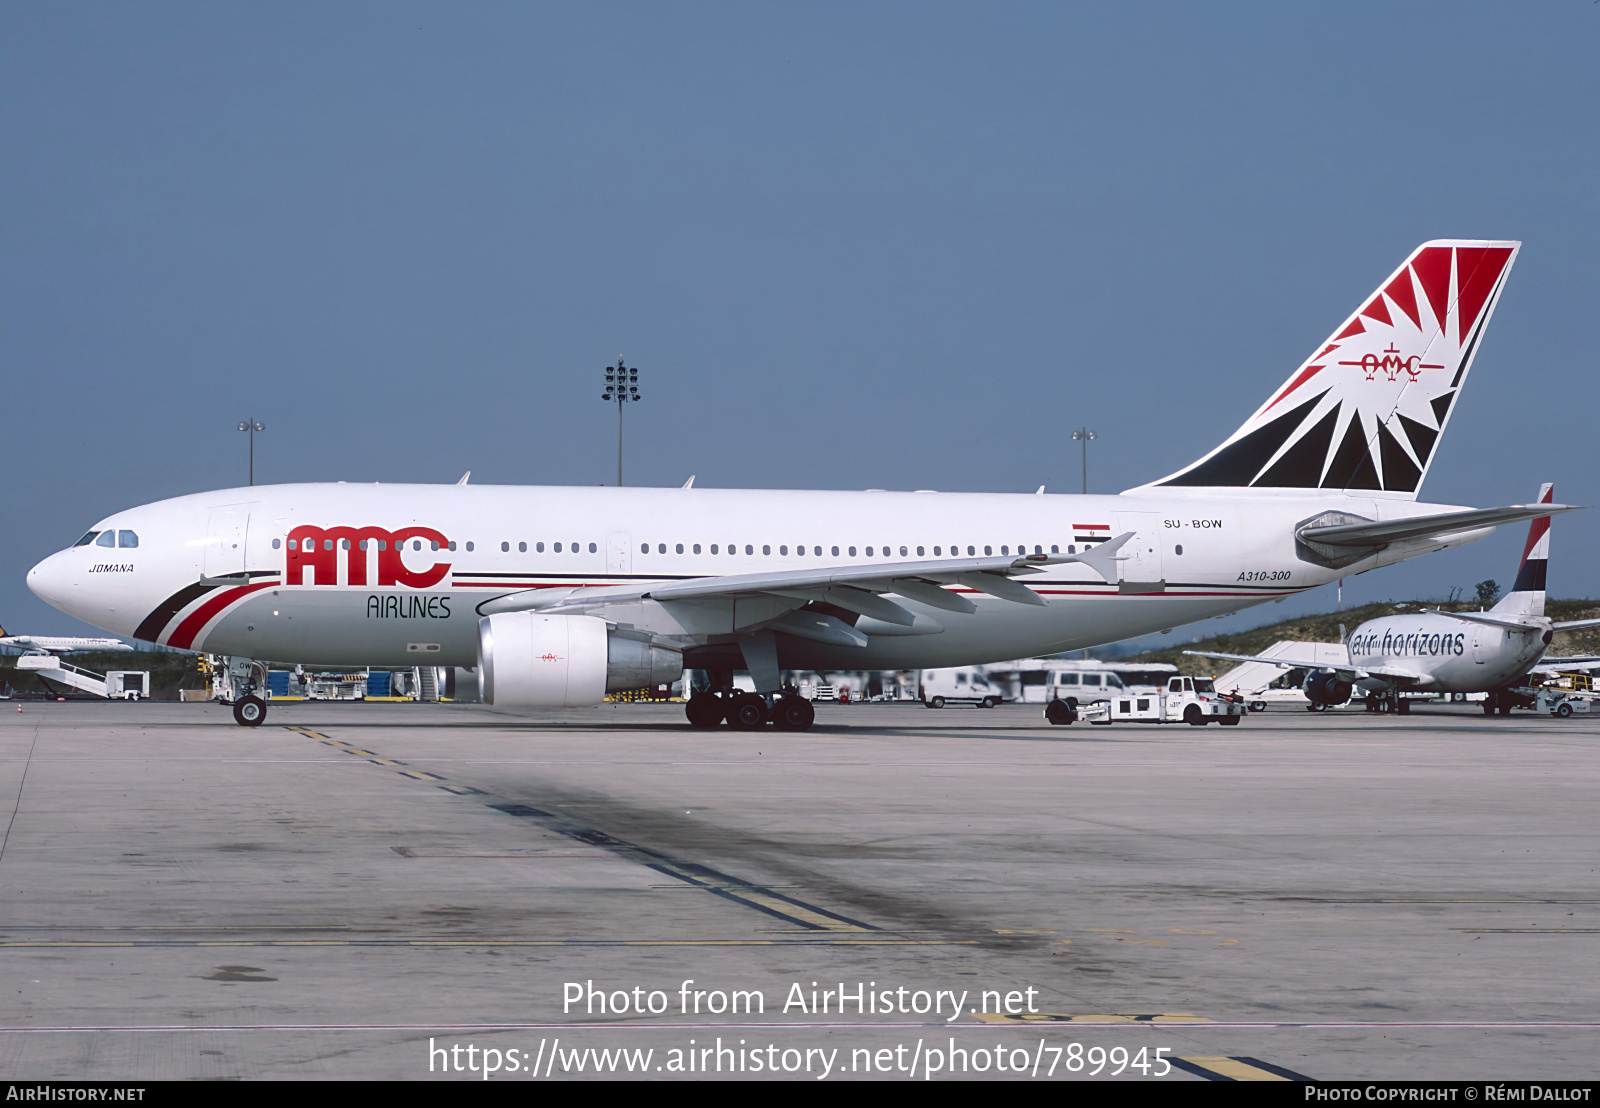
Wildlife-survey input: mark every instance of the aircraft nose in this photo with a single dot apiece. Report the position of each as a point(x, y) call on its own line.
point(51, 581)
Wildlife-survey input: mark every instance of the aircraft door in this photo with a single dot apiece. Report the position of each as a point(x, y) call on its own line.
point(1140, 569)
point(619, 554)
point(226, 533)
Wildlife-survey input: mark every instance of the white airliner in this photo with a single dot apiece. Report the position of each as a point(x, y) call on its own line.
point(1445, 652)
point(56, 644)
point(558, 594)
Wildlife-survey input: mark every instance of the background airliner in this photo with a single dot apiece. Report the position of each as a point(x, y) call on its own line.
point(558, 594)
point(1445, 652)
point(59, 644)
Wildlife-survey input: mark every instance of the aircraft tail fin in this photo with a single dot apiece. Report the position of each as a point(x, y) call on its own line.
point(1365, 412)
point(1526, 597)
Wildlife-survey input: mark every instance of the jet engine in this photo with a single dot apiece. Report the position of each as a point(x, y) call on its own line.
point(528, 660)
point(1325, 688)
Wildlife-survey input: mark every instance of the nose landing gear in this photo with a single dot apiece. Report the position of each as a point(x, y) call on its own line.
point(249, 711)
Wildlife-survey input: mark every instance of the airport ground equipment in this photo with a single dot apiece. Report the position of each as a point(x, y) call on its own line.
point(1191, 700)
point(116, 684)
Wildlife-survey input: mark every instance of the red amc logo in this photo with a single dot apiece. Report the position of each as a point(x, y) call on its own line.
point(1392, 364)
point(318, 549)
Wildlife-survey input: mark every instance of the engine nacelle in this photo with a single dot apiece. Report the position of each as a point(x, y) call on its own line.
point(529, 660)
point(1326, 688)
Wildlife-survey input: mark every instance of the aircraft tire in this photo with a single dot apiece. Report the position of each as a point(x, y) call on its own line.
point(1505, 709)
point(1060, 713)
point(793, 713)
point(1403, 707)
point(704, 711)
point(1490, 702)
point(249, 711)
point(748, 712)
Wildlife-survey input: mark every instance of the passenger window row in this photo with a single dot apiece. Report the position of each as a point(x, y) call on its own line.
point(108, 538)
point(538, 547)
point(800, 551)
point(364, 544)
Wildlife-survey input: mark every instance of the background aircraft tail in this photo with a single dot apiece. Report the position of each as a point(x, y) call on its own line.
point(1365, 412)
point(1526, 597)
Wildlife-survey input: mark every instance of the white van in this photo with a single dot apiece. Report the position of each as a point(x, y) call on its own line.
point(961, 685)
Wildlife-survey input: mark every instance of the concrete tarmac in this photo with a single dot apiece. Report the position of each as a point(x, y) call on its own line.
point(357, 890)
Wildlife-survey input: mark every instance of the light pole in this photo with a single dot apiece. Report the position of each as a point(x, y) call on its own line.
point(1084, 435)
point(252, 426)
point(621, 387)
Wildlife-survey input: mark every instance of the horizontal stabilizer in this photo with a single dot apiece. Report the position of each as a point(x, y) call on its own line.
point(1488, 620)
point(1419, 527)
point(1574, 624)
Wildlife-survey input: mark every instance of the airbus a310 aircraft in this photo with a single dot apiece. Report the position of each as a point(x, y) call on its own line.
point(1465, 652)
point(558, 594)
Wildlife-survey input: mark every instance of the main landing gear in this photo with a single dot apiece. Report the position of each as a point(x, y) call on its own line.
point(747, 711)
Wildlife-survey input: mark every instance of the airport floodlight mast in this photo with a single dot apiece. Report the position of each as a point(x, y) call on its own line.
point(621, 387)
point(252, 426)
point(1083, 435)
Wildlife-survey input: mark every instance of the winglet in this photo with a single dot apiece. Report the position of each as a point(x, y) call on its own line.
point(689, 484)
point(1103, 558)
point(464, 477)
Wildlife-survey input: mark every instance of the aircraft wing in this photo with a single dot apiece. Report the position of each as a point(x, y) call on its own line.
point(1420, 527)
point(1346, 672)
point(855, 588)
point(1555, 665)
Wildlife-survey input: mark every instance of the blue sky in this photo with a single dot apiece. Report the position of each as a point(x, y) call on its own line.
point(850, 245)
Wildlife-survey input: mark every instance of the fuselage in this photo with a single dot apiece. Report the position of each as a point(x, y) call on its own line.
point(388, 575)
point(1456, 656)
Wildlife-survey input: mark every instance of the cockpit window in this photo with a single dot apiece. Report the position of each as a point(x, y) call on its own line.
point(107, 538)
point(87, 539)
point(126, 539)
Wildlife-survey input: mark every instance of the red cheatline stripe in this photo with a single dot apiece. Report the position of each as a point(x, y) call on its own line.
point(1539, 526)
point(190, 627)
